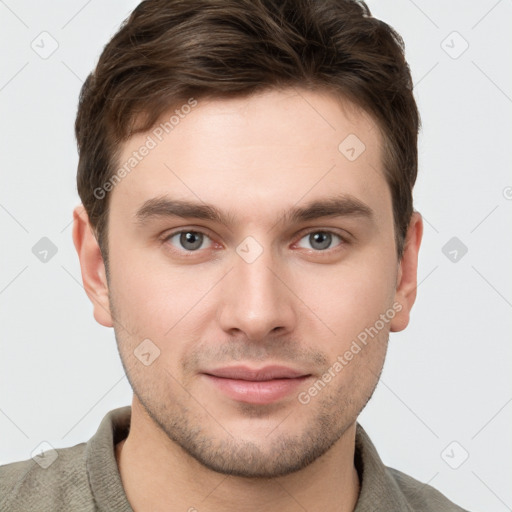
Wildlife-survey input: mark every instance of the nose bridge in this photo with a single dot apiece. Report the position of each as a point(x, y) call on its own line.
point(256, 300)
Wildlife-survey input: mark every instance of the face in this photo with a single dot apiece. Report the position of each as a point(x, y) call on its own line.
point(252, 248)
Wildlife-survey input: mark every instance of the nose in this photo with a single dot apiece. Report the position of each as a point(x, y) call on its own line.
point(257, 300)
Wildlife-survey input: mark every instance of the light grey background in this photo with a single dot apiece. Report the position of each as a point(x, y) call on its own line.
point(446, 378)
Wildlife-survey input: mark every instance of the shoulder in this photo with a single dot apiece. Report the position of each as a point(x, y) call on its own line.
point(56, 480)
point(420, 496)
point(386, 488)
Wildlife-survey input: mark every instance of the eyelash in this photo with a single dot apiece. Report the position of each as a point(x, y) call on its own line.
point(189, 254)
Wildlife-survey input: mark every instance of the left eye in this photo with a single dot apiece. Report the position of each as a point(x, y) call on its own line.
point(320, 240)
point(189, 240)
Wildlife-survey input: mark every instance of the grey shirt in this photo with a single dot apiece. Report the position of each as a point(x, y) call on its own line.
point(85, 477)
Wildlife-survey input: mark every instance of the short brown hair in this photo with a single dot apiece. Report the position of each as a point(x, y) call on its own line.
point(168, 51)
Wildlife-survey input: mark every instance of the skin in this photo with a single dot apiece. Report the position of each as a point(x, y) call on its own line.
point(298, 304)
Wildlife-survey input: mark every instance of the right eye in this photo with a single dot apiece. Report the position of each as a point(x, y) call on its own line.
point(188, 240)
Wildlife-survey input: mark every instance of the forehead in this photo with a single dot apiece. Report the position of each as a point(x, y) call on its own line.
point(255, 154)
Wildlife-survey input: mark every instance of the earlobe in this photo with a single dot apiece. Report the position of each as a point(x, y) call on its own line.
point(407, 278)
point(92, 266)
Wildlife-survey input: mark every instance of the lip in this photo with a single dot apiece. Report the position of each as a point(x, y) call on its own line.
point(256, 385)
point(256, 374)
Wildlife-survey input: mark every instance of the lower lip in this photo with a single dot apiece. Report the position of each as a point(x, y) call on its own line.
point(256, 392)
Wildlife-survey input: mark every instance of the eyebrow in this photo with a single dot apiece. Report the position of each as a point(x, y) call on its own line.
point(337, 206)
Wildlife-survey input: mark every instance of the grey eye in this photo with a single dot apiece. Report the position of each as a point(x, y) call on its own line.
point(320, 240)
point(188, 240)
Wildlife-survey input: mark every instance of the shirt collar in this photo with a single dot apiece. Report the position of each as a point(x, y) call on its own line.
point(101, 463)
point(378, 489)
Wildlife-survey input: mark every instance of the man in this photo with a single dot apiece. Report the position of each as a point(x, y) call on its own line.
point(246, 172)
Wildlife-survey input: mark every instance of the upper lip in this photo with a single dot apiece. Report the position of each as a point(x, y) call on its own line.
point(255, 374)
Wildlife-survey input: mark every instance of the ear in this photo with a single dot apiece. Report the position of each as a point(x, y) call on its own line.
point(407, 279)
point(92, 265)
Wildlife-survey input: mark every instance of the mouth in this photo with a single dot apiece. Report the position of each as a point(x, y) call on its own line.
point(256, 385)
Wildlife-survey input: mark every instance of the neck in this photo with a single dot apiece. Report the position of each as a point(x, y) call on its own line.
point(171, 479)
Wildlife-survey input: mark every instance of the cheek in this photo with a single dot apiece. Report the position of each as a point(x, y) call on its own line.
point(153, 296)
point(348, 297)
